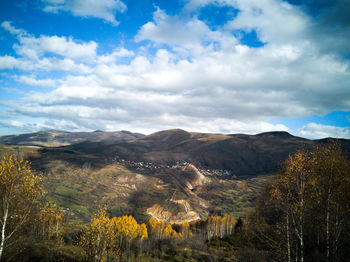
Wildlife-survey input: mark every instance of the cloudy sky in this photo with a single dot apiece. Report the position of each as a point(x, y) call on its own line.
point(229, 66)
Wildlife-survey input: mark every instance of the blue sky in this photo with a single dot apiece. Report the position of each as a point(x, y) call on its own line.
point(228, 66)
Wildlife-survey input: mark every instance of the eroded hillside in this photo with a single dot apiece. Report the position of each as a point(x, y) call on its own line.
point(174, 194)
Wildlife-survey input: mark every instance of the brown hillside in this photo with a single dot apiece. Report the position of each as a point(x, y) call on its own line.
point(244, 155)
point(241, 155)
point(56, 138)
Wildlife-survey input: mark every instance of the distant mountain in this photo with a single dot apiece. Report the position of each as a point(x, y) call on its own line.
point(244, 155)
point(54, 138)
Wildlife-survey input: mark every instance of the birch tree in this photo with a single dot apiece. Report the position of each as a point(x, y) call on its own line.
point(20, 190)
point(331, 181)
point(310, 202)
point(50, 219)
point(297, 171)
point(160, 230)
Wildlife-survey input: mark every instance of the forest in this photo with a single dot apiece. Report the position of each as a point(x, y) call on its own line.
point(302, 215)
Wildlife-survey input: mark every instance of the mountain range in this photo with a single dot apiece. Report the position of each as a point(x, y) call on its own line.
point(51, 138)
point(172, 175)
point(242, 155)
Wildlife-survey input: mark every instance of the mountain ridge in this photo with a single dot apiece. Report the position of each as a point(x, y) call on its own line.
point(56, 138)
point(241, 154)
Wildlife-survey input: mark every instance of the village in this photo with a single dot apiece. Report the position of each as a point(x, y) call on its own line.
point(150, 166)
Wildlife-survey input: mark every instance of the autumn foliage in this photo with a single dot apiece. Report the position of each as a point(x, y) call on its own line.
point(50, 218)
point(160, 230)
point(20, 192)
point(107, 237)
point(303, 214)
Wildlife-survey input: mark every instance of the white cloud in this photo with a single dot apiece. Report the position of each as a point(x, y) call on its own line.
point(48, 52)
point(34, 48)
point(317, 131)
point(7, 62)
point(36, 125)
point(44, 64)
point(116, 54)
point(183, 34)
point(31, 80)
point(7, 26)
point(104, 9)
point(275, 21)
point(172, 30)
point(92, 118)
point(198, 79)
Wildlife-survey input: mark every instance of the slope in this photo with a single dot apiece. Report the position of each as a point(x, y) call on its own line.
point(62, 138)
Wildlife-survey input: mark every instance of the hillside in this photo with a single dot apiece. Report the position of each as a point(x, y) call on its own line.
point(52, 138)
point(242, 155)
point(171, 175)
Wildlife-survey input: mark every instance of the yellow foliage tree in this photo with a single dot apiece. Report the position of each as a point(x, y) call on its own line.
point(291, 189)
point(127, 229)
point(161, 230)
point(219, 226)
point(107, 236)
point(50, 218)
point(20, 190)
point(169, 232)
point(100, 242)
point(142, 231)
point(311, 196)
point(185, 230)
point(155, 228)
point(330, 180)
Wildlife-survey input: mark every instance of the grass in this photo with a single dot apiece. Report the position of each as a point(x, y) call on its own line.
point(233, 197)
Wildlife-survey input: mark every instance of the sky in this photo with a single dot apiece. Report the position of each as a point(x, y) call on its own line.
point(216, 66)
